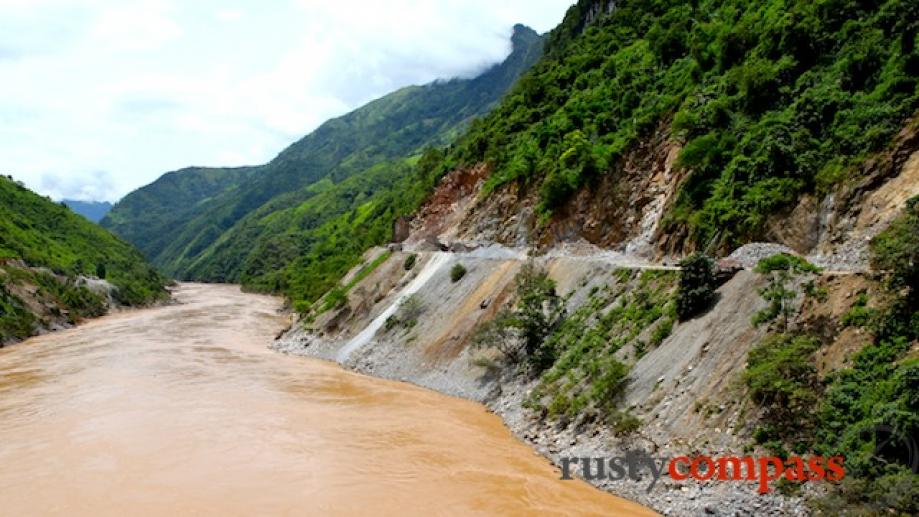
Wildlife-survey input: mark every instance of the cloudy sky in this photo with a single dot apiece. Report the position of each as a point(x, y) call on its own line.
point(99, 97)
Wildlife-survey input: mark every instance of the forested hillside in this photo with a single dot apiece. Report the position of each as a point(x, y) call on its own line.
point(249, 229)
point(770, 99)
point(47, 253)
point(152, 217)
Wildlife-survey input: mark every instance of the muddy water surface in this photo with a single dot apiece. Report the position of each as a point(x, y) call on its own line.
point(183, 410)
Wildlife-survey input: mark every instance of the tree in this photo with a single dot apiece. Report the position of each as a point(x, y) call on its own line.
point(539, 312)
point(500, 333)
point(696, 291)
point(522, 331)
point(781, 268)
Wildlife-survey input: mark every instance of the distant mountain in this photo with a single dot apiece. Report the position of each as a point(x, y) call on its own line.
point(153, 216)
point(228, 224)
point(50, 260)
point(92, 210)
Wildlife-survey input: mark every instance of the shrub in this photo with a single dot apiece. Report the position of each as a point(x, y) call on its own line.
point(409, 263)
point(696, 291)
point(457, 272)
point(859, 315)
point(500, 333)
point(411, 308)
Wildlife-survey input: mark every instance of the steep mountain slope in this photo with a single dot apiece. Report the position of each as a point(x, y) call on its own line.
point(746, 107)
point(390, 129)
point(92, 210)
point(658, 129)
point(56, 267)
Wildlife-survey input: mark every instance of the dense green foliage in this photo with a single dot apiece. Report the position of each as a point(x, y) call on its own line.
point(866, 412)
point(298, 223)
point(697, 286)
point(773, 98)
point(783, 379)
point(152, 217)
point(37, 233)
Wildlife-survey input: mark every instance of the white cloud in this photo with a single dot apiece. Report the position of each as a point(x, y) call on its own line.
point(140, 87)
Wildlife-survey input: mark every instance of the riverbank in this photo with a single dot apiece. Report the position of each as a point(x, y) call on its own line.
point(36, 301)
point(682, 390)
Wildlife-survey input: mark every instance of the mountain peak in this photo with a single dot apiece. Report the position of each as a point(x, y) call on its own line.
point(522, 36)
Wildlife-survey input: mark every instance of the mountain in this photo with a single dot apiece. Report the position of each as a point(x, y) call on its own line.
point(57, 268)
point(770, 147)
point(744, 109)
point(152, 217)
point(205, 223)
point(753, 142)
point(92, 210)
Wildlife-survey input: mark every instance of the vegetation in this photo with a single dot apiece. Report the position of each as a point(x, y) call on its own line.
point(865, 412)
point(773, 99)
point(783, 380)
point(859, 314)
point(47, 247)
point(457, 272)
point(585, 376)
point(406, 316)
point(500, 333)
point(521, 333)
point(896, 250)
point(697, 286)
point(409, 263)
point(298, 223)
point(781, 269)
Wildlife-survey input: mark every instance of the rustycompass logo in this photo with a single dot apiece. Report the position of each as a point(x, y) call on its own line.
point(891, 446)
point(762, 470)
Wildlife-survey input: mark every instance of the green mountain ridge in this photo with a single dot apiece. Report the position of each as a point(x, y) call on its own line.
point(45, 249)
point(771, 99)
point(204, 223)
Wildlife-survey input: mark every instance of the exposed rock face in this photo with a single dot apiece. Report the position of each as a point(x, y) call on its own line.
point(401, 229)
point(836, 229)
point(620, 210)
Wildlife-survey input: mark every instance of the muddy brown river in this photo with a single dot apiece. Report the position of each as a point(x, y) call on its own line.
point(182, 410)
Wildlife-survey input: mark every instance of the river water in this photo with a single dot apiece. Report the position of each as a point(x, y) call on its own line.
point(182, 410)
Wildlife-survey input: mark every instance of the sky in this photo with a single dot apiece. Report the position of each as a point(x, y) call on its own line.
point(100, 97)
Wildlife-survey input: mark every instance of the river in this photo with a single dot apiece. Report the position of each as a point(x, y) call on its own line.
point(182, 409)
